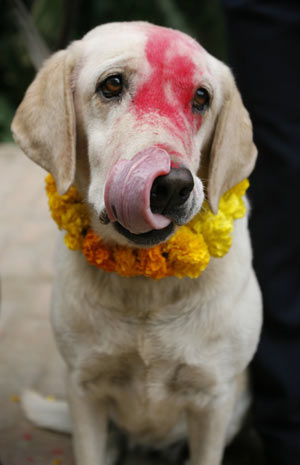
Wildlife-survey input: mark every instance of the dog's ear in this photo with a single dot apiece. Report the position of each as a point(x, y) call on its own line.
point(44, 125)
point(231, 155)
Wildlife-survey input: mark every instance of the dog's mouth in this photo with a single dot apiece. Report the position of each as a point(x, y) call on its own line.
point(147, 196)
point(147, 239)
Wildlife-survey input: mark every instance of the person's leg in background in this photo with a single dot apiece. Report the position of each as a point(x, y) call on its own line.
point(264, 48)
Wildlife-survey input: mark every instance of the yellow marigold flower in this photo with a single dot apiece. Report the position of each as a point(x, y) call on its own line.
point(186, 253)
point(69, 213)
point(216, 230)
point(73, 242)
point(239, 189)
point(180, 270)
point(50, 184)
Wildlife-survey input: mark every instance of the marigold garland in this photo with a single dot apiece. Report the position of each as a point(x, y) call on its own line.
point(186, 253)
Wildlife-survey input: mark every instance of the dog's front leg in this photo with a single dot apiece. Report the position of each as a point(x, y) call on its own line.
point(207, 429)
point(89, 425)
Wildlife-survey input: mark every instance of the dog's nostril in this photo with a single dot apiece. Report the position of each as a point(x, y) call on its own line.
point(158, 192)
point(185, 191)
point(171, 190)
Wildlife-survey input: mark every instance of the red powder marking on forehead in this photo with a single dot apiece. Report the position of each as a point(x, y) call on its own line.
point(175, 164)
point(171, 151)
point(169, 88)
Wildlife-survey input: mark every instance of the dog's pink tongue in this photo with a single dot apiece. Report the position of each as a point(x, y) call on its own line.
point(128, 187)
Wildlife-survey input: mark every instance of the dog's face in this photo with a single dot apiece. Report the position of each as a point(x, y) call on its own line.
point(132, 112)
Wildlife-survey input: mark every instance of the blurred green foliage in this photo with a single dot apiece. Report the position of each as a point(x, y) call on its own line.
point(60, 21)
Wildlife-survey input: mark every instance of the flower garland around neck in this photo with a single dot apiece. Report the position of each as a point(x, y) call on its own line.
point(186, 253)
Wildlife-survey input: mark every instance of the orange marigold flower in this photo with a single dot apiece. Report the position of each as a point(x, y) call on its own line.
point(125, 261)
point(186, 253)
point(152, 263)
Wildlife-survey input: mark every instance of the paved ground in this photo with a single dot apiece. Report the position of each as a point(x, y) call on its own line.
point(27, 238)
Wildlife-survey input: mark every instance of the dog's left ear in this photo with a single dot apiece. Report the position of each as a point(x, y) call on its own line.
point(44, 125)
point(232, 151)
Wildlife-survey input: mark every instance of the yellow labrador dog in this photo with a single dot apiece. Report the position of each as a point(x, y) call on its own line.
point(162, 359)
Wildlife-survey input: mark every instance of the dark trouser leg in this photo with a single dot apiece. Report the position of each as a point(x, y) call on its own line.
point(264, 47)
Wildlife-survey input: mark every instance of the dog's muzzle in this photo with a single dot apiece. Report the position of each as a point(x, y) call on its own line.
point(145, 193)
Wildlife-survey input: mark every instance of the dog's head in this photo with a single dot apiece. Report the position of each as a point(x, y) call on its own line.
point(132, 113)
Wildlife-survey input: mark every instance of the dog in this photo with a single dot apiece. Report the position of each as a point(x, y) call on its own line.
point(167, 359)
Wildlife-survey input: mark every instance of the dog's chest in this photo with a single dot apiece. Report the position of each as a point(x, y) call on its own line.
point(146, 399)
point(147, 383)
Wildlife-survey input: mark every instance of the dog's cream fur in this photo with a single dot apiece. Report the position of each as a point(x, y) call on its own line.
point(164, 359)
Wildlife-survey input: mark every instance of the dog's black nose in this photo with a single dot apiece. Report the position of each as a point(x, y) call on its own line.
point(171, 190)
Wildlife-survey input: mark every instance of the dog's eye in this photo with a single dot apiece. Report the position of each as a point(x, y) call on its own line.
point(112, 86)
point(201, 100)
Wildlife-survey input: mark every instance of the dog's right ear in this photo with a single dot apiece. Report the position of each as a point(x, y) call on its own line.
point(44, 125)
